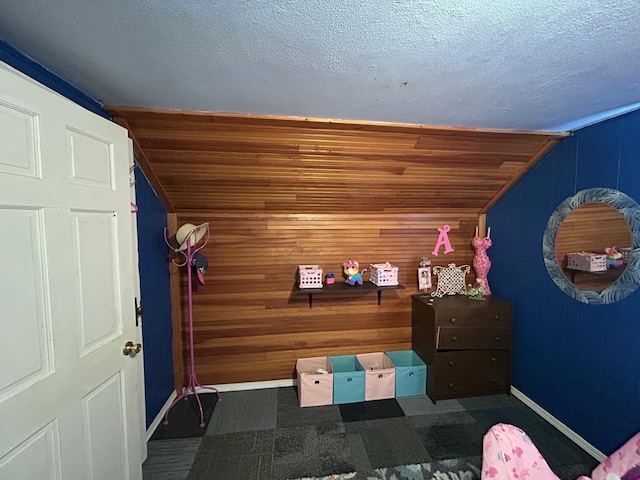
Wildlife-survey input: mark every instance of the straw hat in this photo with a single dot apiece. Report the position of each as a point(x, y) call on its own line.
point(190, 232)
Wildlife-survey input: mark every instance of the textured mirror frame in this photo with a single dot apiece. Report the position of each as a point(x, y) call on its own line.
point(630, 278)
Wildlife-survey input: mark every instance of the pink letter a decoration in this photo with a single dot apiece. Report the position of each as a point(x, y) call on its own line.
point(443, 239)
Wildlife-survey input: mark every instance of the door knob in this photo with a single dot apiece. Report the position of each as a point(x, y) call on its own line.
point(131, 349)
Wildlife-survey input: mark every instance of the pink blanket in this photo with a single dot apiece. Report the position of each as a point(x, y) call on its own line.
point(509, 454)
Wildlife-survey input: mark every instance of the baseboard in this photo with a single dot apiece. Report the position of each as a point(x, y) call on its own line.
point(233, 387)
point(571, 435)
point(160, 416)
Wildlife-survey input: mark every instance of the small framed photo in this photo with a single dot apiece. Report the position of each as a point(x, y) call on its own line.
point(424, 278)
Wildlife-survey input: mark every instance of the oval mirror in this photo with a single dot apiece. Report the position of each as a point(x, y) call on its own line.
point(585, 237)
point(581, 227)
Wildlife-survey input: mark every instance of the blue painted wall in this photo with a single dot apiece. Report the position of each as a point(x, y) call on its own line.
point(152, 252)
point(155, 297)
point(579, 362)
point(14, 57)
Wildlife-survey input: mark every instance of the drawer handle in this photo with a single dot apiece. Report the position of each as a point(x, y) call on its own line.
point(452, 319)
point(349, 379)
point(493, 359)
point(493, 380)
point(411, 374)
point(497, 338)
point(454, 338)
point(496, 317)
point(380, 375)
point(451, 363)
point(450, 384)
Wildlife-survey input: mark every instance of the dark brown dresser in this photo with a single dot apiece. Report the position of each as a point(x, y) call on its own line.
point(465, 343)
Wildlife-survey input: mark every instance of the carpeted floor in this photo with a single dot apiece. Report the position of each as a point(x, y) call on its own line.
point(265, 435)
point(456, 469)
point(184, 418)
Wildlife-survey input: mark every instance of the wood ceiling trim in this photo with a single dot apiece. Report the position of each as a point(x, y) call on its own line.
point(135, 114)
point(218, 161)
point(535, 159)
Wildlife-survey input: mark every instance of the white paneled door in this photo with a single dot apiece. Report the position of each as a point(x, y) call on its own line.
point(70, 400)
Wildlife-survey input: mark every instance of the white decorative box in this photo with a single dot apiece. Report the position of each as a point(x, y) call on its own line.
point(587, 262)
point(309, 276)
point(383, 274)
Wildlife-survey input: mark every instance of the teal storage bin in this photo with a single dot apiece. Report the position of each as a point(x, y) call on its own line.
point(348, 379)
point(411, 373)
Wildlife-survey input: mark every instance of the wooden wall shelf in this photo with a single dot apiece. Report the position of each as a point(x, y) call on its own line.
point(342, 287)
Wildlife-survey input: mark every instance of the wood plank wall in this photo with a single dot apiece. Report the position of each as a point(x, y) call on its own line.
point(249, 326)
point(592, 227)
point(279, 192)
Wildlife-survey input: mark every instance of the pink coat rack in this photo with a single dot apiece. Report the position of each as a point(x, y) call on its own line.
point(188, 253)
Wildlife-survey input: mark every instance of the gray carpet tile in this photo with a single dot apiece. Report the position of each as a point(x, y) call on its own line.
point(571, 472)
point(291, 414)
point(355, 412)
point(304, 468)
point(184, 417)
point(489, 401)
point(390, 441)
point(230, 456)
point(521, 417)
point(317, 450)
point(452, 440)
point(447, 418)
point(422, 405)
point(170, 459)
point(252, 467)
point(244, 411)
point(266, 435)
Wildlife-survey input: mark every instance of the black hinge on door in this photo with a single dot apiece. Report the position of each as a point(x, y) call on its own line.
point(139, 310)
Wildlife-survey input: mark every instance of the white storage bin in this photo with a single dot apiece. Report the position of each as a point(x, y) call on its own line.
point(587, 262)
point(383, 274)
point(309, 276)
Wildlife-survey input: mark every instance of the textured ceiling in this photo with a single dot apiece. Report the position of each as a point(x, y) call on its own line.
point(508, 64)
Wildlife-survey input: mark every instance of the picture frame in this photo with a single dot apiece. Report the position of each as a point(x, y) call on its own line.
point(424, 278)
point(451, 280)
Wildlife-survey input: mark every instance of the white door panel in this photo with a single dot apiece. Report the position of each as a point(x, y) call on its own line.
point(70, 401)
point(24, 296)
point(36, 457)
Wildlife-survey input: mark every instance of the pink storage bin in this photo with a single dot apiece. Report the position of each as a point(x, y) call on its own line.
point(379, 375)
point(314, 388)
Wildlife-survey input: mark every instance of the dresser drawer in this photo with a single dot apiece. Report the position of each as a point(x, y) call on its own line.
point(465, 343)
point(454, 338)
point(470, 373)
point(494, 316)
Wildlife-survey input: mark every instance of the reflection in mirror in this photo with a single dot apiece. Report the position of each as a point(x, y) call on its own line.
point(582, 241)
point(629, 278)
